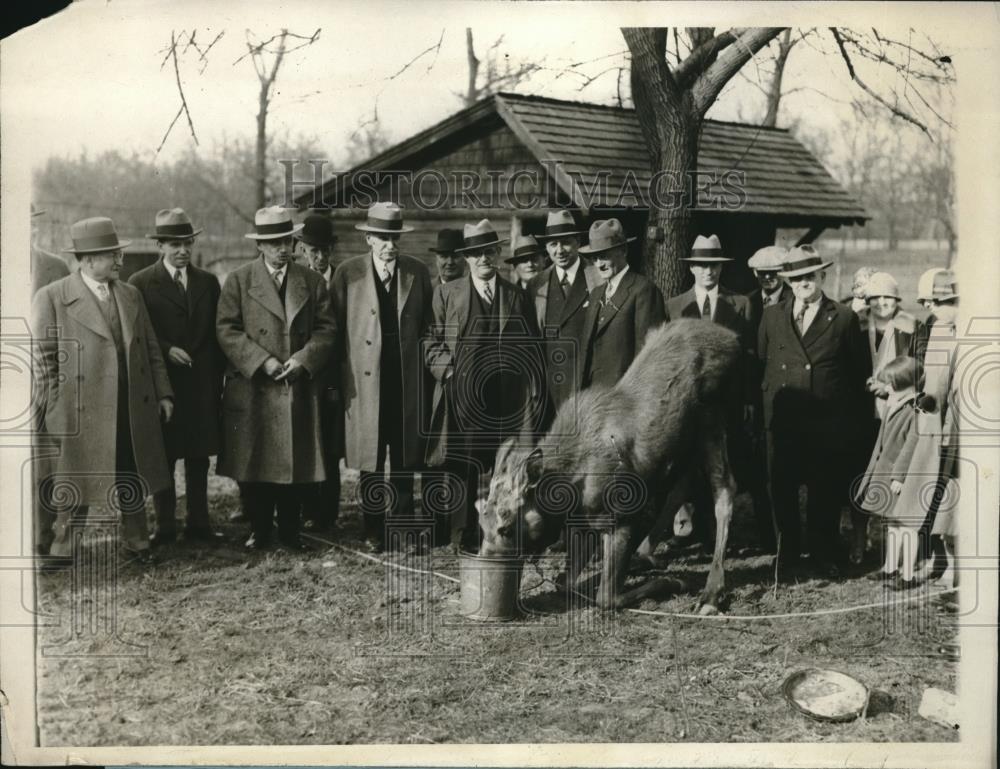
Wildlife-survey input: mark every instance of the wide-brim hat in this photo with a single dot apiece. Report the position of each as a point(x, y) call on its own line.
point(803, 260)
point(173, 224)
point(479, 235)
point(706, 250)
point(560, 223)
point(94, 235)
point(272, 223)
point(317, 231)
point(386, 218)
point(925, 286)
point(945, 286)
point(604, 235)
point(882, 284)
point(525, 249)
point(448, 240)
point(768, 259)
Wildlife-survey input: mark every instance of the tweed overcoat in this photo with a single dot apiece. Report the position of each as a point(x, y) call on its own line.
point(77, 373)
point(272, 430)
point(359, 353)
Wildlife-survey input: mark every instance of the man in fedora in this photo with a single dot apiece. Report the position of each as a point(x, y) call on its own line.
point(383, 303)
point(816, 363)
point(560, 294)
point(105, 388)
point(321, 507)
point(621, 311)
point(45, 267)
point(525, 261)
point(450, 265)
point(708, 300)
point(766, 263)
point(483, 354)
point(182, 301)
point(276, 327)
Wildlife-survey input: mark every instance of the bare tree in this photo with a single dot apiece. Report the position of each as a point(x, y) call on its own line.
point(673, 91)
point(497, 73)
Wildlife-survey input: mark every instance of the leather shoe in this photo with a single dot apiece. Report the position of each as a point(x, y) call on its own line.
point(374, 546)
point(900, 584)
point(161, 538)
point(202, 534)
point(882, 576)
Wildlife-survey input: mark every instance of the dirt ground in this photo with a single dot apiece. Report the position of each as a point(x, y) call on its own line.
point(211, 647)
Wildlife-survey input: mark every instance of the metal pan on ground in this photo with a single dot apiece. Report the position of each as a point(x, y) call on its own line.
point(826, 695)
point(489, 587)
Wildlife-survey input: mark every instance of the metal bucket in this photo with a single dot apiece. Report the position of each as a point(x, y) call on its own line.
point(489, 587)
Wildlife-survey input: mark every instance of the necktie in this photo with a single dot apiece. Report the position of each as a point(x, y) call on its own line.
point(706, 308)
point(386, 278)
point(800, 318)
point(179, 283)
point(279, 276)
point(102, 292)
point(488, 293)
point(564, 285)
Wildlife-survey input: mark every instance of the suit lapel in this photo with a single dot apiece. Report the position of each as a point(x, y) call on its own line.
point(617, 301)
point(824, 316)
point(197, 286)
point(505, 295)
point(128, 312)
point(542, 295)
point(689, 305)
point(577, 294)
point(725, 313)
point(296, 292)
point(405, 284)
point(166, 285)
point(81, 304)
point(262, 288)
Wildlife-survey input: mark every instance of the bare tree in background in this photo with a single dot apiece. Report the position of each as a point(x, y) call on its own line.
point(673, 91)
point(497, 73)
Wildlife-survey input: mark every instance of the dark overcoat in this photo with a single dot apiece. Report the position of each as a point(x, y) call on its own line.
point(890, 461)
point(518, 334)
point(756, 299)
point(45, 268)
point(187, 321)
point(813, 386)
point(359, 352)
point(271, 430)
point(616, 334)
point(77, 370)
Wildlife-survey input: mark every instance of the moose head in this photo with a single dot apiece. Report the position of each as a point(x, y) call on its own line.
point(509, 518)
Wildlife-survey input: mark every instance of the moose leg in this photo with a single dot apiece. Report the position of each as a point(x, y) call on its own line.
point(723, 487)
point(676, 496)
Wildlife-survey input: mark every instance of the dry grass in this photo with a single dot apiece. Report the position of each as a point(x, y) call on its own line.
point(301, 649)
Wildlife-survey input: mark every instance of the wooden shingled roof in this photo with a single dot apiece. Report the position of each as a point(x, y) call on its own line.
point(578, 141)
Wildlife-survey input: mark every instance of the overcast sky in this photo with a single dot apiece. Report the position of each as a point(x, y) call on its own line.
point(90, 78)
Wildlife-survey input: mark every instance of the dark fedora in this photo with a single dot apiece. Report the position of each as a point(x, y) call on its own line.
point(94, 235)
point(172, 224)
point(480, 235)
point(448, 241)
point(559, 223)
point(525, 249)
point(317, 231)
point(605, 234)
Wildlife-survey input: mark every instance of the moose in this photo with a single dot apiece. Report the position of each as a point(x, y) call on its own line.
point(620, 459)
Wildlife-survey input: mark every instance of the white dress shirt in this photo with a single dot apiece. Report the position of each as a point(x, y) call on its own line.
point(278, 276)
point(613, 282)
point(772, 298)
point(480, 286)
point(381, 268)
point(95, 286)
point(811, 311)
point(328, 274)
point(713, 298)
point(569, 272)
point(174, 271)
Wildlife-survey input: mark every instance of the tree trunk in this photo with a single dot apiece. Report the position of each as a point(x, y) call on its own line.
point(261, 154)
point(471, 93)
point(774, 88)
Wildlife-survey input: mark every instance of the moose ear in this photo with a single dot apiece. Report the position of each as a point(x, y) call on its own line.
point(503, 452)
point(533, 465)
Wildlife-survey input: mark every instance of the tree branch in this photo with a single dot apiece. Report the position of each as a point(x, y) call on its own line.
point(701, 57)
point(648, 47)
point(707, 87)
point(180, 90)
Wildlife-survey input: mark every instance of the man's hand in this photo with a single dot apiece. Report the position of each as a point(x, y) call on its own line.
point(178, 357)
point(896, 487)
point(166, 409)
point(749, 411)
point(291, 371)
point(272, 367)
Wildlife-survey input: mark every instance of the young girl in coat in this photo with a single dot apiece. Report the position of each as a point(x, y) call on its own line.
point(882, 482)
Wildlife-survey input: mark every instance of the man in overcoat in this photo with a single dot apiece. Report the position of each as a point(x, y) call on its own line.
point(560, 294)
point(383, 301)
point(766, 263)
point(321, 508)
point(276, 327)
point(182, 301)
point(483, 353)
point(709, 300)
point(621, 311)
point(450, 265)
point(816, 363)
point(105, 388)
